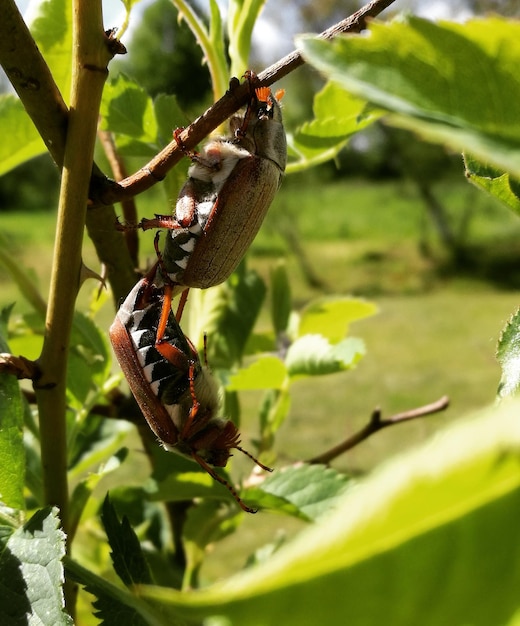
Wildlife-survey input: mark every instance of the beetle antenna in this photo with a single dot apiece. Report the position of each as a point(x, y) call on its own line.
point(254, 459)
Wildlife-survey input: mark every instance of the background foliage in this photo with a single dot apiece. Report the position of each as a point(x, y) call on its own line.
point(435, 522)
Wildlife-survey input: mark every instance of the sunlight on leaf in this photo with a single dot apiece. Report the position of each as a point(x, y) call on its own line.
point(337, 116)
point(497, 183)
point(268, 372)
point(32, 572)
point(313, 355)
point(448, 507)
point(453, 83)
point(20, 139)
point(12, 455)
point(331, 317)
point(508, 355)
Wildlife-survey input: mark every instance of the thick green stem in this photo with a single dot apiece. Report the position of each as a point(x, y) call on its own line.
point(90, 58)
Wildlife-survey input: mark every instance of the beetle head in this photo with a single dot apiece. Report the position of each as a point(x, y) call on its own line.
point(264, 134)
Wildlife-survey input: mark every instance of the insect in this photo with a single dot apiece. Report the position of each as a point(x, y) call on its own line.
point(230, 187)
point(176, 393)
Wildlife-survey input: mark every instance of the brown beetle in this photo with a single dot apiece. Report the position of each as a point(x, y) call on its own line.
point(177, 395)
point(221, 207)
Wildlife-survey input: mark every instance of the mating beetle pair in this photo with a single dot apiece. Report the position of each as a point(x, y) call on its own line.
point(219, 210)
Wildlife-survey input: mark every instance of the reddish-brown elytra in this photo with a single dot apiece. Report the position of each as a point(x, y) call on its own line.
point(231, 185)
point(176, 393)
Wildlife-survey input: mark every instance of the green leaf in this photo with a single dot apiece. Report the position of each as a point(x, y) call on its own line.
point(21, 140)
point(273, 412)
point(169, 117)
point(216, 37)
point(437, 522)
point(268, 372)
point(312, 490)
point(12, 454)
point(127, 557)
point(313, 355)
point(453, 83)
point(508, 355)
point(85, 487)
point(89, 361)
point(331, 317)
point(337, 116)
point(189, 484)
point(114, 605)
point(227, 314)
point(127, 109)
point(51, 28)
point(31, 573)
point(497, 183)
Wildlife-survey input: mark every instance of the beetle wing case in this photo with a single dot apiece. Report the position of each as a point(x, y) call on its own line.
point(155, 413)
point(224, 202)
point(224, 242)
point(160, 387)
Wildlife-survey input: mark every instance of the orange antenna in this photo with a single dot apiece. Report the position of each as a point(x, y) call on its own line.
point(263, 93)
point(279, 94)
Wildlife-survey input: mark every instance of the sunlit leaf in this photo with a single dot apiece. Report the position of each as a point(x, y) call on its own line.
point(51, 27)
point(31, 573)
point(331, 317)
point(508, 354)
point(268, 372)
point(21, 140)
point(499, 184)
point(453, 83)
point(437, 522)
point(337, 116)
point(313, 355)
point(127, 109)
point(312, 490)
point(12, 455)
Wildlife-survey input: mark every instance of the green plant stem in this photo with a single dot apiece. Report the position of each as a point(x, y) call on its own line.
point(90, 58)
point(213, 53)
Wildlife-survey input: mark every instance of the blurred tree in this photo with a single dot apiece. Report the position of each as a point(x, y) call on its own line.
point(165, 58)
point(33, 186)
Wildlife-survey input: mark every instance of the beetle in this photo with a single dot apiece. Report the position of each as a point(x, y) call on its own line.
point(231, 184)
point(178, 396)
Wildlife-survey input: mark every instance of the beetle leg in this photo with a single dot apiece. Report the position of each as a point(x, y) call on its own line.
point(159, 221)
point(222, 481)
point(177, 136)
point(241, 131)
point(185, 433)
point(182, 303)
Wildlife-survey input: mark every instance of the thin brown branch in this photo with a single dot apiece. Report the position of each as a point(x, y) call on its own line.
point(236, 97)
point(18, 366)
point(119, 173)
point(375, 424)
